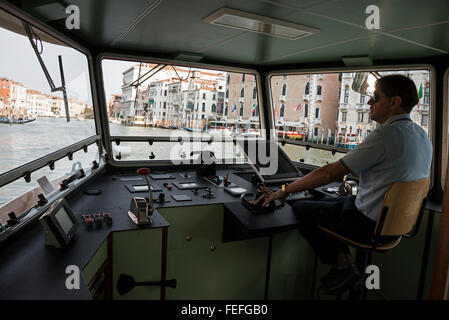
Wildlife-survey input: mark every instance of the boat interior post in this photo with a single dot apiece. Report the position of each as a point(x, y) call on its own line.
point(136, 137)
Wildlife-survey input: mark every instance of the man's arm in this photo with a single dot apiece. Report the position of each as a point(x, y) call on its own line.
point(317, 178)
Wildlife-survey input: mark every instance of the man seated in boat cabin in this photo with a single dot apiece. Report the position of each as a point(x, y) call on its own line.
point(398, 150)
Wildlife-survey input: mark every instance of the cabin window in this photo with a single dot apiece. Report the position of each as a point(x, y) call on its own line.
point(33, 119)
point(342, 121)
point(228, 115)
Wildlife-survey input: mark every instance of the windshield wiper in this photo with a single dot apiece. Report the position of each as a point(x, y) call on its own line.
point(53, 88)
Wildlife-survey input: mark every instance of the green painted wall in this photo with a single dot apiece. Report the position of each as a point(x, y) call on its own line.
point(204, 267)
point(138, 254)
point(95, 262)
point(400, 267)
point(291, 267)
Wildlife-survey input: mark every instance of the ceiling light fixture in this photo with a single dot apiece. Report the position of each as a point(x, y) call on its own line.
point(254, 23)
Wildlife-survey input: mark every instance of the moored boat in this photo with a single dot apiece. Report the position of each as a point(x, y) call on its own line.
point(19, 120)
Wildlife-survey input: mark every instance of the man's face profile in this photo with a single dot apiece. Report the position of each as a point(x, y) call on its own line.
point(381, 106)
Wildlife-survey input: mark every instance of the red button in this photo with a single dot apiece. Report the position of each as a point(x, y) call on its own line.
point(89, 220)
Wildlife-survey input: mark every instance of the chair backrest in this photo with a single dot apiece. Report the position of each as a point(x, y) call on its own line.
point(403, 200)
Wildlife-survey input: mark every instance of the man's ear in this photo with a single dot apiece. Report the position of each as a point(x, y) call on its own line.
point(396, 101)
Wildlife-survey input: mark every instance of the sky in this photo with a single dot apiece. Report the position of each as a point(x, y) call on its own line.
point(18, 62)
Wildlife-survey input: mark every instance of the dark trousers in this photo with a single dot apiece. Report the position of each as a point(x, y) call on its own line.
point(339, 215)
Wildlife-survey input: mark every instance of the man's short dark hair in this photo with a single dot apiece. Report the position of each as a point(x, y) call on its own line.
point(399, 85)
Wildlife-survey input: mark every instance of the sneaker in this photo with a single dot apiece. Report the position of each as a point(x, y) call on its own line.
point(340, 280)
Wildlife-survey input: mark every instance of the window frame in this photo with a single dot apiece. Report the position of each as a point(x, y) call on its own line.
point(35, 164)
point(445, 129)
point(31, 215)
point(394, 67)
point(109, 139)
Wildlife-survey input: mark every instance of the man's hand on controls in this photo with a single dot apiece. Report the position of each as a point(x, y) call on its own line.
point(269, 196)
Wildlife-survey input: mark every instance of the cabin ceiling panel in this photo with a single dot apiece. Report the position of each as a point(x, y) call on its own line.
point(163, 31)
point(378, 46)
point(101, 21)
point(393, 14)
point(273, 49)
point(168, 27)
point(435, 36)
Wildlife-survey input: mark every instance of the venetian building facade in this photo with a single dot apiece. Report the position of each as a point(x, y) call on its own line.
point(354, 122)
point(306, 103)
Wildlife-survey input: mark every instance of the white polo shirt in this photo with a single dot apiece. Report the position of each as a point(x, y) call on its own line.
point(398, 150)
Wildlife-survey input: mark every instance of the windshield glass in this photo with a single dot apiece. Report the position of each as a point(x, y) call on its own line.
point(157, 100)
point(323, 111)
point(32, 117)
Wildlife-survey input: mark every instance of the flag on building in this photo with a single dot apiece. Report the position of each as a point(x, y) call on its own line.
point(298, 107)
point(275, 110)
point(253, 110)
point(420, 95)
point(234, 108)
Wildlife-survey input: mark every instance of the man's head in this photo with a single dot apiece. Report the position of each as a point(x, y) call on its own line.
point(394, 94)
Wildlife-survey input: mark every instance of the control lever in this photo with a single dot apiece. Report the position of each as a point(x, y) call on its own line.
point(141, 209)
point(258, 207)
point(209, 194)
point(126, 283)
point(347, 188)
